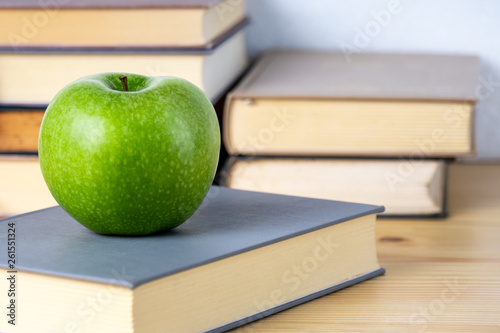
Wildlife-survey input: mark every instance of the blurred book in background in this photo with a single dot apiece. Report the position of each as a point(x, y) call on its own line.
point(46, 45)
point(22, 188)
point(117, 24)
point(378, 104)
point(410, 107)
point(33, 78)
point(19, 130)
point(201, 41)
point(403, 188)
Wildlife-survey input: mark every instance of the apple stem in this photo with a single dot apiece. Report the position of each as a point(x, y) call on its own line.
point(123, 80)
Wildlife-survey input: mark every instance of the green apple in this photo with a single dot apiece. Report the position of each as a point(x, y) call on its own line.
point(128, 154)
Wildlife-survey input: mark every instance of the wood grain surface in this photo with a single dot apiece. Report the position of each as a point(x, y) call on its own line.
point(443, 275)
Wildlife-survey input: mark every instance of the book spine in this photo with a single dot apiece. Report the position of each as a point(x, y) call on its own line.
point(226, 128)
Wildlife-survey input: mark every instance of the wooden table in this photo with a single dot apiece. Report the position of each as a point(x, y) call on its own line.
point(443, 275)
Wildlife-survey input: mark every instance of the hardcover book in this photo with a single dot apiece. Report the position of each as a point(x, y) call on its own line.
point(32, 78)
point(242, 256)
point(316, 103)
point(32, 24)
point(405, 187)
point(19, 130)
point(22, 188)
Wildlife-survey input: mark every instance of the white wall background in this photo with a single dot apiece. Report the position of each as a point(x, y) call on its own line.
point(424, 26)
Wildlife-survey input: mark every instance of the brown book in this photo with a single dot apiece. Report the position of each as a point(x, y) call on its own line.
point(19, 130)
point(117, 24)
point(405, 187)
point(318, 103)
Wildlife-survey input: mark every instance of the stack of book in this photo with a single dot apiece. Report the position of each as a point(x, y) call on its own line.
point(46, 45)
point(378, 129)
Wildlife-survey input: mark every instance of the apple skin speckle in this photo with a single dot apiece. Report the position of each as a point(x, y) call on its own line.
point(129, 163)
